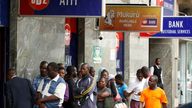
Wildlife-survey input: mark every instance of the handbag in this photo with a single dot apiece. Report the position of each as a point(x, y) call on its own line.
point(117, 98)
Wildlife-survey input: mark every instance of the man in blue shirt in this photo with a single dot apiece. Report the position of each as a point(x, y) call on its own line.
point(42, 75)
point(52, 90)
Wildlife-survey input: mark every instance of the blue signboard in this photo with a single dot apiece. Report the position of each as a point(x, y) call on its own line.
point(176, 27)
point(74, 8)
point(3, 12)
point(168, 6)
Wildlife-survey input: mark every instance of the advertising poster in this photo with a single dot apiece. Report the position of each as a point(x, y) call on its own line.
point(120, 53)
point(70, 40)
point(131, 18)
point(97, 54)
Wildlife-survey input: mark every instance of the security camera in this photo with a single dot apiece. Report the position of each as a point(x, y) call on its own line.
point(100, 37)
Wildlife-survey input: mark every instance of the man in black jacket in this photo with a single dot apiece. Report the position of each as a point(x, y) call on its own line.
point(19, 91)
point(157, 70)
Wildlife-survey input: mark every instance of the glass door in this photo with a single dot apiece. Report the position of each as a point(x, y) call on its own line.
point(189, 73)
point(182, 72)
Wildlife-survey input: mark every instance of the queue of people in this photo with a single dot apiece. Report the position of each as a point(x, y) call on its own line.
point(57, 87)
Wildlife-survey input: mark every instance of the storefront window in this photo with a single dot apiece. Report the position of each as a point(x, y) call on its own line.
point(189, 73)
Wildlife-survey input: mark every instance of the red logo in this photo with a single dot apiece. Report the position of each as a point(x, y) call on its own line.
point(38, 4)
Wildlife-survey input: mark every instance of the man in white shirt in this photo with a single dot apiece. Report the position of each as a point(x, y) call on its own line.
point(146, 75)
point(52, 90)
point(135, 89)
point(157, 70)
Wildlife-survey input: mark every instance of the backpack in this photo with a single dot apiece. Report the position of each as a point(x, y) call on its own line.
point(66, 95)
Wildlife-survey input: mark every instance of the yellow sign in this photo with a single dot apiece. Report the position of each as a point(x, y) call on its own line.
point(131, 18)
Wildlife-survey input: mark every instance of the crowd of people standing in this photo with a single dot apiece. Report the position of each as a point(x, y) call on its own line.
point(57, 87)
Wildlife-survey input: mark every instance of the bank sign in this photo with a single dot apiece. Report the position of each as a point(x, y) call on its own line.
point(174, 27)
point(131, 18)
point(73, 8)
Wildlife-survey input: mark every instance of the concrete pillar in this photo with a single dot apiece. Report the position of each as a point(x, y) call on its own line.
point(81, 40)
point(175, 59)
point(107, 46)
point(90, 37)
point(136, 54)
point(13, 33)
point(127, 57)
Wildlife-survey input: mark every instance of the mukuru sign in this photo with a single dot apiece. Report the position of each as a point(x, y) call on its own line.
point(131, 18)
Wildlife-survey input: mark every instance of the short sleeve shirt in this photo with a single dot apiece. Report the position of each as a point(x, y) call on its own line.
point(153, 98)
point(121, 89)
point(137, 86)
point(59, 91)
point(104, 90)
point(36, 81)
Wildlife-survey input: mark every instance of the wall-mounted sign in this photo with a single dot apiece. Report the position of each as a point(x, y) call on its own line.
point(173, 27)
point(4, 13)
point(74, 8)
point(168, 7)
point(131, 18)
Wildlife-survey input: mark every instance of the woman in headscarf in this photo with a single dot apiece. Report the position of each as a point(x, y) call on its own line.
point(110, 79)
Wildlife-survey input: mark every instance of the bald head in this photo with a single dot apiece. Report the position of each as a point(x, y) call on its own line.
point(85, 69)
point(86, 64)
point(153, 82)
point(154, 77)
